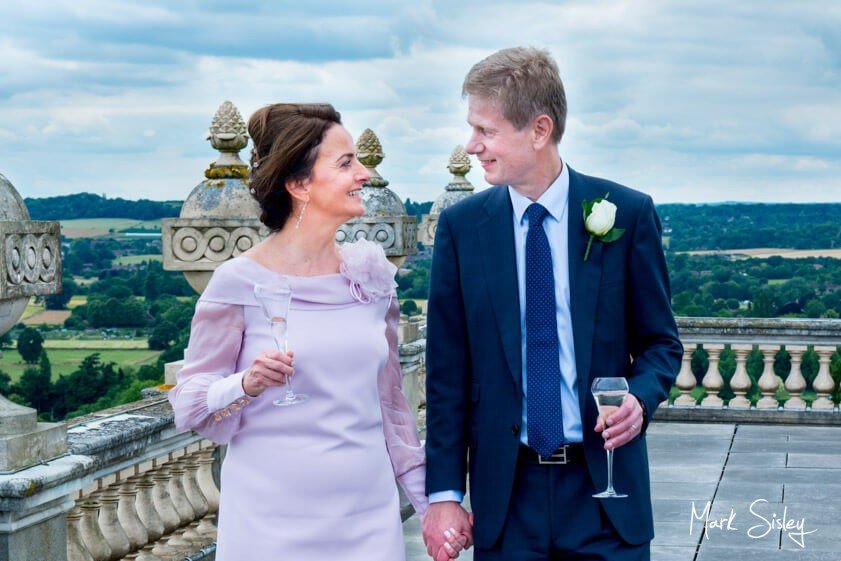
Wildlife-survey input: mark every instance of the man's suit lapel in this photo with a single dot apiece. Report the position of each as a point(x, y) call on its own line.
point(584, 279)
point(496, 235)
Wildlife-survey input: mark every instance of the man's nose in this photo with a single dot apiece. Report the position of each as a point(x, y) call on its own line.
point(473, 146)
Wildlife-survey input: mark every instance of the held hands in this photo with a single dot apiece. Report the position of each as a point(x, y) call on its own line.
point(447, 529)
point(270, 368)
point(623, 425)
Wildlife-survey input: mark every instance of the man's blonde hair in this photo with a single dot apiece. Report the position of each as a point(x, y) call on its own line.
point(525, 82)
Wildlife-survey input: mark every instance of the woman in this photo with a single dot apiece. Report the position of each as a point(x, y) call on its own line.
point(313, 481)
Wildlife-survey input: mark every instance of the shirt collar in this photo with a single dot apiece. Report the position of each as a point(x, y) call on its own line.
point(554, 199)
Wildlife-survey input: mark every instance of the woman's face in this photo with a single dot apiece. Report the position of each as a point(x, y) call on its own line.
point(337, 178)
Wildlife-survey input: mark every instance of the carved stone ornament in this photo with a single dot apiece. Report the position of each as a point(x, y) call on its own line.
point(30, 259)
point(202, 244)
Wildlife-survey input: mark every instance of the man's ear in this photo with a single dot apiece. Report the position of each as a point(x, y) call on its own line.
point(542, 127)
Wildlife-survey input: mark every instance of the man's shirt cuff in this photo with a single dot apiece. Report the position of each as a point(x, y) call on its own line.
point(441, 496)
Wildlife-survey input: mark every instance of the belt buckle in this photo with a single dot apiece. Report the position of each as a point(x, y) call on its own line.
point(558, 458)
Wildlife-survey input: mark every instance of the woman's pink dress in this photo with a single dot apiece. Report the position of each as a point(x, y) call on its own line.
point(314, 481)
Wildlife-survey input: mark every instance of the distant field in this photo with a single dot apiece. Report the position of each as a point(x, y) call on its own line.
point(96, 227)
point(765, 252)
point(31, 310)
point(137, 259)
point(50, 317)
point(97, 344)
point(36, 314)
point(65, 361)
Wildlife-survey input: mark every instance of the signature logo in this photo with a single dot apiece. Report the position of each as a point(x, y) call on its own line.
point(765, 522)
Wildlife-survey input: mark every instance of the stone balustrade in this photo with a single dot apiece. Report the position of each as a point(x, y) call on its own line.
point(130, 487)
point(159, 509)
point(765, 338)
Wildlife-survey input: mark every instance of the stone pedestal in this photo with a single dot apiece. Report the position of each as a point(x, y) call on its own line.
point(39, 534)
point(458, 189)
point(171, 371)
point(24, 441)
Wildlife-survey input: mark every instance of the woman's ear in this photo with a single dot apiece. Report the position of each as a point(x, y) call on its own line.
point(299, 189)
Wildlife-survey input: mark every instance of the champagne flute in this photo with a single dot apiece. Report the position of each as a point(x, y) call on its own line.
point(609, 394)
point(275, 302)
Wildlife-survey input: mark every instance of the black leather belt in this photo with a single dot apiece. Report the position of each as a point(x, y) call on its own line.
point(567, 454)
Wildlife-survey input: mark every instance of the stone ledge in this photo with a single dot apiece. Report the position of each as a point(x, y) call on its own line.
point(15, 488)
point(785, 331)
point(747, 416)
point(99, 444)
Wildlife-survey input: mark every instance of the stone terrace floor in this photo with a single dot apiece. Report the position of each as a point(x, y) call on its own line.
point(796, 469)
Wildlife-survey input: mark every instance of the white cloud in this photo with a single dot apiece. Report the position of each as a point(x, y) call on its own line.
point(695, 101)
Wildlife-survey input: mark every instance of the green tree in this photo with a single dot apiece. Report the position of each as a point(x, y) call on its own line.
point(44, 364)
point(35, 387)
point(59, 301)
point(5, 383)
point(163, 335)
point(30, 344)
point(814, 308)
point(409, 307)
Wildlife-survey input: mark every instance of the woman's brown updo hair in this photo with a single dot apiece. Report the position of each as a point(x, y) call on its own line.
point(286, 137)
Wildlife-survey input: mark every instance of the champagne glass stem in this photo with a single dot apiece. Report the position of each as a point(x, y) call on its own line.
point(610, 471)
point(290, 393)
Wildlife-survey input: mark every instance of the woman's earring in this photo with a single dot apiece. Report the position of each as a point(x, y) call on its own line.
point(301, 215)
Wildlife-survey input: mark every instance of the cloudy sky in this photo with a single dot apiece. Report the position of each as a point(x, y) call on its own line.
point(689, 101)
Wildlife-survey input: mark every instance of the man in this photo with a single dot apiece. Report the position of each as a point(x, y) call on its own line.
point(526, 308)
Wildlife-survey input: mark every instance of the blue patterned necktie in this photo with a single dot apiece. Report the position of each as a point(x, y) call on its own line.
point(545, 421)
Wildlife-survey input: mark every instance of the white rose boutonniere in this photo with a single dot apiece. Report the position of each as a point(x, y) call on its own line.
point(599, 218)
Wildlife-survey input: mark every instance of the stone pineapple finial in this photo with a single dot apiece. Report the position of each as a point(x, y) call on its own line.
point(459, 166)
point(229, 135)
point(370, 153)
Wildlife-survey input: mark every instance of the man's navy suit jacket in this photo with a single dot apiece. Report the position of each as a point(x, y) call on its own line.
point(622, 326)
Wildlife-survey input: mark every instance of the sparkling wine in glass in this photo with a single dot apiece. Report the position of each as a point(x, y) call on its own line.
point(275, 302)
point(609, 394)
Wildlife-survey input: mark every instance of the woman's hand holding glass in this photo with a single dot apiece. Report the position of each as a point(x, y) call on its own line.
point(269, 368)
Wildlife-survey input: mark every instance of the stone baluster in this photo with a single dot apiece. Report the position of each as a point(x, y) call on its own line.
point(162, 550)
point(177, 494)
point(146, 510)
point(163, 501)
point(740, 382)
point(823, 384)
point(146, 554)
point(76, 549)
point(205, 479)
point(712, 381)
point(685, 381)
point(127, 514)
point(192, 535)
point(768, 382)
point(109, 523)
point(795, 382)
point(91, 532)
point(183, 546)
point(192, 488)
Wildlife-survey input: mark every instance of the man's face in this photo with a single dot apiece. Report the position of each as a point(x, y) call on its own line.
point(507, 155)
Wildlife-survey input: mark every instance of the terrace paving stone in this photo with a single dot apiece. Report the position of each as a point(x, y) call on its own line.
point(796, 468)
